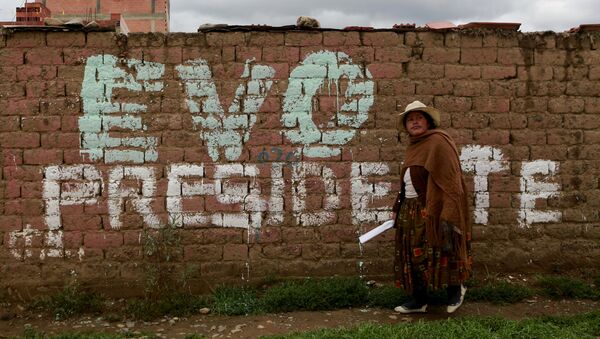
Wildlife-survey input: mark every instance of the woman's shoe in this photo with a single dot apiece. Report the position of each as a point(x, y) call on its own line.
point(456, 300)
point(411, 307)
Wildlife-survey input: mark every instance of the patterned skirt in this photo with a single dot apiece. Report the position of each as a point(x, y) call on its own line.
point(416, 263)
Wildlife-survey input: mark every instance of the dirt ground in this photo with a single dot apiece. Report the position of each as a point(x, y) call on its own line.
point(254, 326)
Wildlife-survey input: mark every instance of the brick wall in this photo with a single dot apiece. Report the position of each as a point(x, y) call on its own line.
point(273, 151)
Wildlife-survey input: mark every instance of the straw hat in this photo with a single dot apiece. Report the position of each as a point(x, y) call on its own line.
point(416, 105)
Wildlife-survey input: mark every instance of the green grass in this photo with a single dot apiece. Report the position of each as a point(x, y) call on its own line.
point(315, 294)
point(567, 287)
point(178, 304)
point(304, 295)
point(580, 326)
point(387, 297)
point(499, 293)
point(68, 302)
point(235, 301)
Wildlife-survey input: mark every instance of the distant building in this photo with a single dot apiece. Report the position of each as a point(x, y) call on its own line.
point(31, 14)
point(129, 15)
point(137, 15)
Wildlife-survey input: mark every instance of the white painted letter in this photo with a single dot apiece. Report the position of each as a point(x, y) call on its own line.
point(482, 160)
point(533, 187)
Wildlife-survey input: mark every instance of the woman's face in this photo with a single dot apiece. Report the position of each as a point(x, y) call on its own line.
point(416, 123)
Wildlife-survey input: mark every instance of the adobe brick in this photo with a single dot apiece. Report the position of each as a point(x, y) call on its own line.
point(266, 235)
point(511, 56)
point(101, 39)
point(234, 252)
point(535, 73)
point(41, 89)
point(583, 88)
point(243, 53)
point(203, 253)
point(299, 235)
point(453, 104)
point(303, 38)
point(492, 137)
point(12, 189)
point(72, 240)
point(36, 72)
point(361, 54)
point(43, 157)
point(508, 121)
point(320, 251)
point(265, 39)
point(498, 72)
point(8, 73)
point(220, 235)
point(337, 38)
point(589, 57)
point(564, 137)
point(165, 55)
point(12, 90)
point(20, 139)
point(137, 39)
point(360, 154)
point(9, 223)
point(462, 72)
point(554, 153)
point(424, 71)
point(211, 54)
point(81, 222)
point(223, 270)
point(478, 56)
point(528, 137)
point(30, 39)
point(424, 39)
point(565, 105)
point(79, 56)
point(470, 120)
point(470, 88)
point(285, 251)
point(550, 57)
point(71, 209)
point(24, 173)
point(529, 104)
point(435, 87)
point(393, 54)
point(337, 233)
point(44, 56)
point(491, 104)
point(69, 124)
point(102, 240)
point(473, 39)
point(581, 121)
point(29, 207)
point(65, 39)
point(11, 123)
point(226, 39)
point(281, 54)
point(571, 73)
point(385, 70)
point(60, 140)
point(381, 38)
point(41, 123)
point(439, 55)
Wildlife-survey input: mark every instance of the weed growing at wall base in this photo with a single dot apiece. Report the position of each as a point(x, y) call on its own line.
point(70, 301)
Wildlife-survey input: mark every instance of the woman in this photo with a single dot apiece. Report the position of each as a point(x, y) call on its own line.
point(433, 232)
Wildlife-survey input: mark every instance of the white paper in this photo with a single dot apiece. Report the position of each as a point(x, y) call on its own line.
point(376, 231)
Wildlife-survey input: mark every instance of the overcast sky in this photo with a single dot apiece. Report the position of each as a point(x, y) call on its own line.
point(534, 15)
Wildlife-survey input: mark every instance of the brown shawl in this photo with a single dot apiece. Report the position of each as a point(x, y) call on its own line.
point(446, 197)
